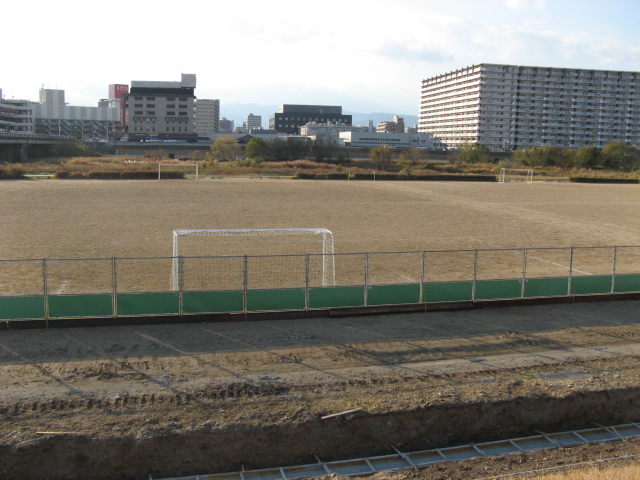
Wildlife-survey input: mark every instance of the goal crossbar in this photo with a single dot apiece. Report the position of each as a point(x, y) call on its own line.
point(528, 174)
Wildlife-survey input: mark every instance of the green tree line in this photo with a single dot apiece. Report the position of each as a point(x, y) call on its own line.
point(613, 156)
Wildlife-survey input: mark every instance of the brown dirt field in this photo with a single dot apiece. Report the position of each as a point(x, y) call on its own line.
point(86, 219)
point(168, 400)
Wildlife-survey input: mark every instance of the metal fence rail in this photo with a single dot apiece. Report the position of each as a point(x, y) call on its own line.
point(112, 287)
point(424, 458)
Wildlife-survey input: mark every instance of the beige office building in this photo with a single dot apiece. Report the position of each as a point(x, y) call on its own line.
point(207, 116)
point(509, 106)
point(161, 108)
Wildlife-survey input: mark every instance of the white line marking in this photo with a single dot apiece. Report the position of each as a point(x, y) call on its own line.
point(62, 287)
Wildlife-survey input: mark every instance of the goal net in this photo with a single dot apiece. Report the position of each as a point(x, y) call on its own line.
point(275, 258)
point(516, 175)
point(178, 170)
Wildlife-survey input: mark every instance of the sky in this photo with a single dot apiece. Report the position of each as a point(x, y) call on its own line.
point(367, 56)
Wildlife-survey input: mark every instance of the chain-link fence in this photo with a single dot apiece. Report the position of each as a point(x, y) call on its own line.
point(415, 276)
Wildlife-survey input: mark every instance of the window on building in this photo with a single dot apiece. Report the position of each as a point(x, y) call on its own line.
point(151, 105)
point(183, 106)
point(171, 99)
point(137, 98)
point(182, 99)
point(151, 98)
point(183, 113)
point(173, 105)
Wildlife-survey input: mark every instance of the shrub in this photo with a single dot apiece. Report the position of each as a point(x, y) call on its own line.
point(602, 180)
point(103, 174)
point(11, 172)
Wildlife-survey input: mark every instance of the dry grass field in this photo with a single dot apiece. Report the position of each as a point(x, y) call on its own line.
point(87, 219)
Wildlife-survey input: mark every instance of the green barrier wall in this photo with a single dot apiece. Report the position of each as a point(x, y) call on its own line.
point(393, 294)
point(264, 300)
point(332, 297)
point(627, 283)
point(61, 306)
point(148, 304)
point(212, 302)
point(546, 287)
point(590, 285)
point(448, 292)
point(168, 303)
point(494, 289)
point(21, 307)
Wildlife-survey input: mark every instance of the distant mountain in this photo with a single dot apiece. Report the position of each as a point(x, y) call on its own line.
point(238, 113)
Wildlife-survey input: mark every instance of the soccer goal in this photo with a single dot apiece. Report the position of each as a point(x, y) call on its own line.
point(189, 171)
point(516, 175)
point(275, 258)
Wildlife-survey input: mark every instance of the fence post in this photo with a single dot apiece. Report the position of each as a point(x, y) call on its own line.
point(180, 284)
point(613, 270)
point(114, 288)
point(421, 298)
point(570, 269)
point(366, 279)
point(245, 286)
point(524, 271)
point(306, 280)
point(475, 275)
point(45, 292)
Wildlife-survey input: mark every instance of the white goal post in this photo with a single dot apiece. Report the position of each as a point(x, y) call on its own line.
point(284, 244)
point(516, 174)
point(177, 165)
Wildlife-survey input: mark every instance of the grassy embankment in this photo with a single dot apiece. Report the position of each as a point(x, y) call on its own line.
point(88, 167)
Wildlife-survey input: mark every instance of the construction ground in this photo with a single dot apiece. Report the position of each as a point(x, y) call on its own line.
point(169, 400)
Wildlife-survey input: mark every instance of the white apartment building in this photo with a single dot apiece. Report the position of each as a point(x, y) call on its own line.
point(509, 106)
point(253, 122)
point(207, 116)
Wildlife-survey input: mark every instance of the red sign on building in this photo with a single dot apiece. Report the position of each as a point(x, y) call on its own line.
point(117, 90)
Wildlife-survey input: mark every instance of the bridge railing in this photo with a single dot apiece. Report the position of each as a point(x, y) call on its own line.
point(31, 136)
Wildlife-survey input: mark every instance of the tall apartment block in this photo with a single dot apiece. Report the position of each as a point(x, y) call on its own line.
point(509, 106)
point(207, 116)
point(161, 108)
point(254, 122)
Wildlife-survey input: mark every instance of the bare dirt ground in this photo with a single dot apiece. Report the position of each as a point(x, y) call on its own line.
point(168, 400)
point(123, 402)
point(87, 219)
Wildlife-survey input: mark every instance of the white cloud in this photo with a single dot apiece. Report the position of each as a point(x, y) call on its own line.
point(518, 4)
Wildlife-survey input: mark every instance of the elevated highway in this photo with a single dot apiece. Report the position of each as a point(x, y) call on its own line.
point(19, 147)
